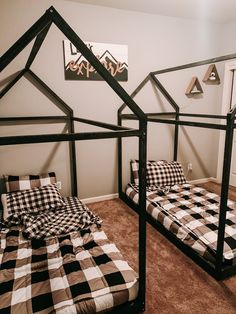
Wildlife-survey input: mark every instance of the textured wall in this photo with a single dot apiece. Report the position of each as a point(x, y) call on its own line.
point(154, 42)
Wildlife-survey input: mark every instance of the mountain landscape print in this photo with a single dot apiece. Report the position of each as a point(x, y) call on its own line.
point(113, 57)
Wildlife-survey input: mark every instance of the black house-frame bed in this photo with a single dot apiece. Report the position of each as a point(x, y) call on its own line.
point(38, 31)
point(227, 123)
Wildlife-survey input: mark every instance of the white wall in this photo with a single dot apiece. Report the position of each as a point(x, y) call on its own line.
point(154, 42)
point(228, 44)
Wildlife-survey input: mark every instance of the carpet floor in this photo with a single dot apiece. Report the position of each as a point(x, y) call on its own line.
point(175, 284)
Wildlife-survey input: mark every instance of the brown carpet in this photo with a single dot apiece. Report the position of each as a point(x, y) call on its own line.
point(175, 284)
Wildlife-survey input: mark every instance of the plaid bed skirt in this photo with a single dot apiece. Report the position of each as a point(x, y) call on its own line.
point(191, 213)
point(80, 272)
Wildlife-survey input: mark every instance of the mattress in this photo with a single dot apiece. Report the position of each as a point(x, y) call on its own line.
point(77, 272)
point(191, 213)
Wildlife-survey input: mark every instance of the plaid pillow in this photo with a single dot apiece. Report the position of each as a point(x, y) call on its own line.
point(33, 200)
point(165, 174)
point(135, 167)
point(27, 182)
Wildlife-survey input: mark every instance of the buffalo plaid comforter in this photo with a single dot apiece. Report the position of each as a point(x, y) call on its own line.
point(191, 213)
point(75, 216)
point(77, 272)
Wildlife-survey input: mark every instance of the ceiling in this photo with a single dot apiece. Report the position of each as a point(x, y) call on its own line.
point(220, 11)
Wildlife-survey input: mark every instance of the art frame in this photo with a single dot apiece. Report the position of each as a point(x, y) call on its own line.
point(114, 58)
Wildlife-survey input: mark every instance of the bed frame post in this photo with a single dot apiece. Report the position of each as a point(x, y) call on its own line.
point(176, 136)
point(120, 167)
point(73, 168)
point(224, 191)
point(142, 211)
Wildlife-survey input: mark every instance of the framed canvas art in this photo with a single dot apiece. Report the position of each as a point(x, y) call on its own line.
point(113, 57)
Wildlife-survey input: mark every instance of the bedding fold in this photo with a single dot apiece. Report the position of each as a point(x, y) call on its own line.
point(73, 217)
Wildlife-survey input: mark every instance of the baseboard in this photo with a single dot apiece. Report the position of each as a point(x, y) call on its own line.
point(203, 180)
point(99, 198)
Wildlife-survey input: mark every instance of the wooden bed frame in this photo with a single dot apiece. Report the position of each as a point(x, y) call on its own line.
point(38, 31)
point(218, 271)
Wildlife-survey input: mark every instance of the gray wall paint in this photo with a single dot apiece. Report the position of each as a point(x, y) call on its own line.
point(228, 44)
point(154, 42)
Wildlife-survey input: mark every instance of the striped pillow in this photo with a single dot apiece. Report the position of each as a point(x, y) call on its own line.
point(19, 183)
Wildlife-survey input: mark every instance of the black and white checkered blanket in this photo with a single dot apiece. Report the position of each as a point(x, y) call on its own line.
point(74, 216)
point(192, 214)
point(79, 272)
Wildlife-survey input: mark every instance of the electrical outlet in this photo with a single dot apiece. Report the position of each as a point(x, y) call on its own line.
point(190, 166)
point(58, 185)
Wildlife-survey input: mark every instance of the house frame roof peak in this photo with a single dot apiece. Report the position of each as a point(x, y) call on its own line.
point(39, 31)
